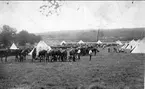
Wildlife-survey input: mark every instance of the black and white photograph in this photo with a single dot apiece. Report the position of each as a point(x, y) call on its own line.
point(72, 44)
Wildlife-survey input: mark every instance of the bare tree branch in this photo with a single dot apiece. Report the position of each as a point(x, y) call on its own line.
point(51, 7)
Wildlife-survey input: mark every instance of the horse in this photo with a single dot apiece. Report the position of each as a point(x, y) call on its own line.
point(3, 53)
point(63, 55)
point(23, 54)
point(15, 53)
point(9, 52)
point(42, 55)
point(95, 50)
point(72, 53)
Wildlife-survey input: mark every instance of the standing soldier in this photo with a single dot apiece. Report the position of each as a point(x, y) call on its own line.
point(95, 50)
point(109, 49)
point(68, 54)
point(90, 53)
point(78, 52)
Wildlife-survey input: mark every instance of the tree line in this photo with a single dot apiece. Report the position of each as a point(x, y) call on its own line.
point(9, 35)
point(92, 35)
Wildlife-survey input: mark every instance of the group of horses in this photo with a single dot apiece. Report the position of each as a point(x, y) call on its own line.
point(56, 54)
point(63, 55)
point(20, 54)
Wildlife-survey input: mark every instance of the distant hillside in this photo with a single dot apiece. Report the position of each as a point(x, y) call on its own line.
point(92, 34)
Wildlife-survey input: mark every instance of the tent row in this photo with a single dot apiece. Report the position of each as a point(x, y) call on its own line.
point(42, 43)
point(98, 42)
point(80, 42)
point(40, 46)
point(135, 46)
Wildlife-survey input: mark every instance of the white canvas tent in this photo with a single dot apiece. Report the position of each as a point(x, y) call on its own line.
point(138, 40)
point(80, 42)
point(132, 44)
point(31, 51)
point(99, 42)
point(63, 42)
point(125, 45)
point(119, 42)
point(140, 48)
point(13, 46)
point(41, 46)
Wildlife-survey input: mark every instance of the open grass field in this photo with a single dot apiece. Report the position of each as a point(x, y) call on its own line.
point(105, 70)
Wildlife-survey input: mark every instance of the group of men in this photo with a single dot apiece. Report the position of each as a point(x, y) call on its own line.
point(69, 53)
point(90, 53)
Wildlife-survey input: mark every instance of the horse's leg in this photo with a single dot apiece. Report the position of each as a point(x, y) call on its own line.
point(44, 58)
point(51, 58)
point(57, 58)
point(22, 58)
point(73, 58)
point(48, 58)
point(40, 58)
point(62, 58)
point(6, 59)
point(25, 57)
point(65, 57)
point(19, 59)
point(70, 58)
point(1, 59)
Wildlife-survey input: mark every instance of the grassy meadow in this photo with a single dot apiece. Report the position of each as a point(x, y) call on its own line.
point(104, 71)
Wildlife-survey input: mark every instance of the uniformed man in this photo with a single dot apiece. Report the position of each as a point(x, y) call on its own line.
point(90, 53)
point(79, 52)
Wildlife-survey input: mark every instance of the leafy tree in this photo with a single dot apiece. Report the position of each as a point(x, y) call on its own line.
point(7, 35)
point(22, 37)
point(34, 38)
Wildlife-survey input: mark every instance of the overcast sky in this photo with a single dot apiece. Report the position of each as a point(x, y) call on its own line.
point(73, 15)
